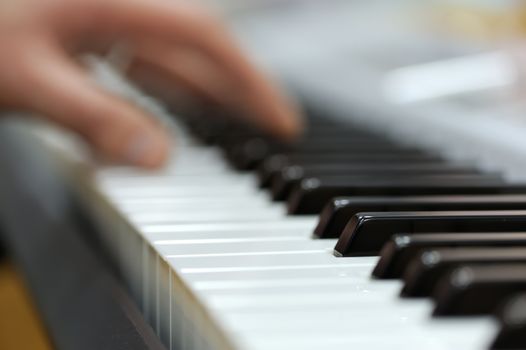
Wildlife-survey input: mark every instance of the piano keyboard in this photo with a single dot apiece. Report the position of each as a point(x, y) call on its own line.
point(226, 247)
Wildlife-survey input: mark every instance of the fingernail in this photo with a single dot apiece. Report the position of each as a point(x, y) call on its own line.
point(146, 150)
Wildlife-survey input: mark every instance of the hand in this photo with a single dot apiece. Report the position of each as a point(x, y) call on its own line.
point(175, 43)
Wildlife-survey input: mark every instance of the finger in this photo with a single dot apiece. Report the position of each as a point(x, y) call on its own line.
point(183, 23)
point(65, 94)
point(182, 75)
point(205, 79)
point(186, 72)
point(177, 98)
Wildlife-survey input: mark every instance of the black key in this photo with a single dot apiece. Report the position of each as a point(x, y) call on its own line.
point(478, 289)
point(272, 166)
point(315, 143)
point(283, 181)
point(397, 177)
point(312, 194)
point(298, 172)
point(402, 248)
point(339, 211)
point(249, 154)
point(512, 319)
point(429, 266)
point(366, 233)
point(228, 132)
point(222, 129)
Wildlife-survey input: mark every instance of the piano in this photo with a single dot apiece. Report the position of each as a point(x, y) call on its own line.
point(365, 234)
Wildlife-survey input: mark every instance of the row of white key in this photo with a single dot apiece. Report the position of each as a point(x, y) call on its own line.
point(256, 272)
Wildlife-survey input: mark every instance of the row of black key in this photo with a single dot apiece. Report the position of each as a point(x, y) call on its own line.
point(450, 231)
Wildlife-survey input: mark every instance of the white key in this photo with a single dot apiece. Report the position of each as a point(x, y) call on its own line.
point(213, 241)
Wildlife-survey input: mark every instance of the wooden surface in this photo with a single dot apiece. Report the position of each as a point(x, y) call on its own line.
point(20, 326)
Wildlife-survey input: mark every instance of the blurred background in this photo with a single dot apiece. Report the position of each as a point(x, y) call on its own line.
point(455, 67)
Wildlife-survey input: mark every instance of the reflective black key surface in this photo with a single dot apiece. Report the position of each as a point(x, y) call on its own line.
point(366, 233)
point(312, 194)
point(339, 211)
point(478, 289)
point(300, 171)
point(281, 188)
point(284, 180)
point(512, 319)
point(427, 267)
point(402, 248)
point(272, 166)
point(250, 153)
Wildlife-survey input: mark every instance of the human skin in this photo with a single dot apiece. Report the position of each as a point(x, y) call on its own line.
point(174, 43)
